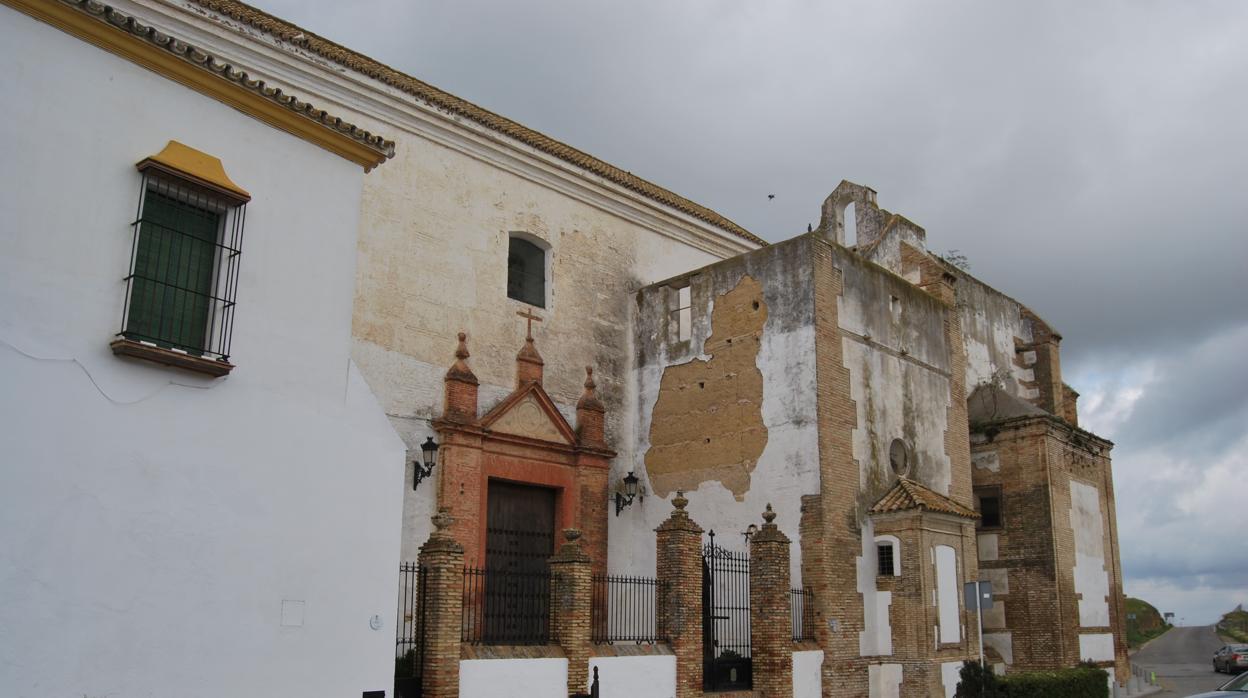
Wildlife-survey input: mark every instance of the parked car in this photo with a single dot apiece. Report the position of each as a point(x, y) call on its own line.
point(1231, 658)
point(1235, 688)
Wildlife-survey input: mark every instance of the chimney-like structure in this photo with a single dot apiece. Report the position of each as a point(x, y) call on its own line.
point(591, 414)
point(529, 364)
point(868, 219)
point(460, 404)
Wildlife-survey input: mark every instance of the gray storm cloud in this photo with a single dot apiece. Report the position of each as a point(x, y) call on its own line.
point(1088, 158)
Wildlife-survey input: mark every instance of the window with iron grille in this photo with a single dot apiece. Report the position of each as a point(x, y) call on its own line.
point(184, 262)
point(988, 504)
point(885, 553)
point(526, 272)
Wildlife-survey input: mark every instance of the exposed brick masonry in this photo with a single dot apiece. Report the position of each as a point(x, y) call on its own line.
point(771, 643)
point(679, 575)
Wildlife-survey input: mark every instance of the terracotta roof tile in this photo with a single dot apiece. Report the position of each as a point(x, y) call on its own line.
point(908, 494)
point(358, 62)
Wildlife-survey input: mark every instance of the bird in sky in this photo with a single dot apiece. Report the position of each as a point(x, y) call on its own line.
point(770, 197)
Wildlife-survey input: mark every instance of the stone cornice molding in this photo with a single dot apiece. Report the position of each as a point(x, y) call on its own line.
point(289, 63)
point(125, 34)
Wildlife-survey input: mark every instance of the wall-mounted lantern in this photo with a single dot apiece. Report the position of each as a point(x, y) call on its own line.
point(632, 489)
point(749, 533)
point(429, 456)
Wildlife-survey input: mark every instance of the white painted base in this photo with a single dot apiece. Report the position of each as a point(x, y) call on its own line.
point(513, 678)
point(808, 674)
point(635, 677)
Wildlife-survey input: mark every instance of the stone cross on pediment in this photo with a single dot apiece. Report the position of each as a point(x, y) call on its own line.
point(528, 315)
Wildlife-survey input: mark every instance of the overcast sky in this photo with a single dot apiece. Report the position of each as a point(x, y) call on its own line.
point(1089, 159)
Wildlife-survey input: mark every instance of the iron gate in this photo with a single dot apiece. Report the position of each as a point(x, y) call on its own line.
point(410, 630)
point(726, 662)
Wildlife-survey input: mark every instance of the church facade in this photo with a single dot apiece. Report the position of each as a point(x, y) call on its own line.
point(599, 433)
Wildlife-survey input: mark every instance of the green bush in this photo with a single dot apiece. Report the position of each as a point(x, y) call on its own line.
point(1082, 682)
point(977, 681)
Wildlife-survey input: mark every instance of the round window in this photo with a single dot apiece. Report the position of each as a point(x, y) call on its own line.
point(899, 457)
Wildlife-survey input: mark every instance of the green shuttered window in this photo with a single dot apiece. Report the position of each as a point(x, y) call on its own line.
point(174, 261)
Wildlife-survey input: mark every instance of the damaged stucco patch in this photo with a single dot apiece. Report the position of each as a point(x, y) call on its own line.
point(707, 424)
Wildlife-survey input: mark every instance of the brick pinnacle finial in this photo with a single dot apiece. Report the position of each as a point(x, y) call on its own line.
point(442, 520)
point(589, 399)
point(769, 515)
point(571, 534)
point(459, 370)
point(679, 500)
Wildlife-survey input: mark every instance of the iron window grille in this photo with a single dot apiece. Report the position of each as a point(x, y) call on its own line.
point(988, 503)
point(526, 272)
point(884, 553)
point(802, 614)
point(182, 283)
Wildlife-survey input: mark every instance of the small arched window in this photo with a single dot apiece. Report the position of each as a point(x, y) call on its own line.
point(888, 556)
point(526, 272)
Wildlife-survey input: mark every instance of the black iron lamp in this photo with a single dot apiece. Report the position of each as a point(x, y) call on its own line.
point(749, 533)
point(429, 456)
point(631, 490)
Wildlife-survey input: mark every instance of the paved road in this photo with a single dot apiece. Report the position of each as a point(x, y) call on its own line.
point(1183, 660)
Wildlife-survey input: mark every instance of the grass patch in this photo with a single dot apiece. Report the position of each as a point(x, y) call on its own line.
point(1144, 622)
point(1234, 625)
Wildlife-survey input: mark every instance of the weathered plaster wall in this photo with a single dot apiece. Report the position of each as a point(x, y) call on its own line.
point(992, 323)
point(161, 525)
point(1091, 579)
point(707, 423)
point(782, 353)
point(433, 261)
point(433, 251)
point(898, 361)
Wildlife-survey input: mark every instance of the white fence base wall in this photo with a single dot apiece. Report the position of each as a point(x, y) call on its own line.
point(635, 677)
point(808, 674)
point(513, 678)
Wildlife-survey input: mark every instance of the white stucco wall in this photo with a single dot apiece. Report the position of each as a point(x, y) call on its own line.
point(949, 675)
point(1091, 577)
point(884, 680)
point(876, 637)
point(1097, 647)
point(808, 674)
point(513, 678)
point(157, 522)
point(634, 677)
point(948, 593)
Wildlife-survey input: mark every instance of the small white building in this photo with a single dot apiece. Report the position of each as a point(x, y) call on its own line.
point(199, 495)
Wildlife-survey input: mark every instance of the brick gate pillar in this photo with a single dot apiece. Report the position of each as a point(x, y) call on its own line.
point(771, 632)
point(679, 575)
point(443, 558)
point(571, 571)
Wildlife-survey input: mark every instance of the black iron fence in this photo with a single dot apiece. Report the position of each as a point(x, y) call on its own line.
point(506, 608)
point(410, 630)
point(802, 614)
point(624, 609)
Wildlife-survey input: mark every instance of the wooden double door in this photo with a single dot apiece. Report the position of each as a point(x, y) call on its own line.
point(519, 540)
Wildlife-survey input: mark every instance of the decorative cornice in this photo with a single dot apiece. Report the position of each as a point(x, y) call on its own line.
point(128, 37)
point(311, 42)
